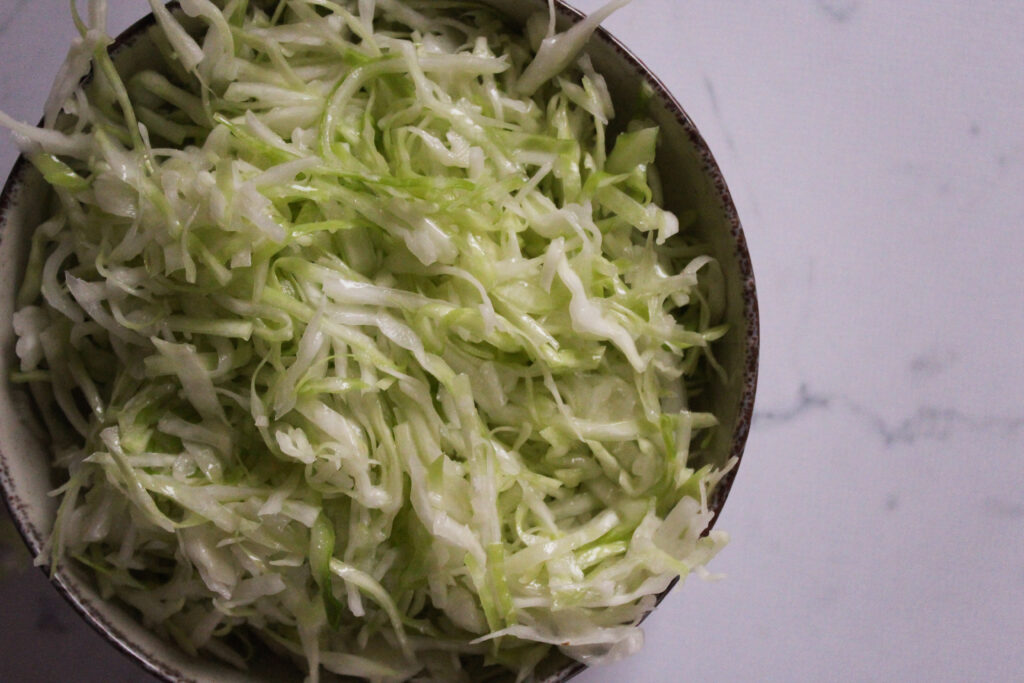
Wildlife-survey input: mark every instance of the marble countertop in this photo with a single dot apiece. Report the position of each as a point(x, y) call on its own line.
point(875, 151)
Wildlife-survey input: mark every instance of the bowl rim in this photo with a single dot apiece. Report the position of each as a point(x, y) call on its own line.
point(751, 345)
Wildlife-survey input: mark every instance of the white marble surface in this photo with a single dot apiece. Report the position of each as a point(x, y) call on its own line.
point(876, 154)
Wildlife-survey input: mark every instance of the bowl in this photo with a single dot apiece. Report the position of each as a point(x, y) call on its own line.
point(684, 161)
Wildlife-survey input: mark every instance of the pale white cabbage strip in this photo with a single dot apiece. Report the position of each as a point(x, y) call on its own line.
point(376, 353)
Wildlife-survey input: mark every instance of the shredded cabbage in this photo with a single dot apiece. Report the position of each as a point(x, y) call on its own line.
point(375, 347)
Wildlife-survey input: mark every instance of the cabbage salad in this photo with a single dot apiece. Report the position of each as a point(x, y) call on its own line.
point(371, 342)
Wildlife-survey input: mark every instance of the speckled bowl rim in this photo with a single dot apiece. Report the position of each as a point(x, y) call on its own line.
point(96, 619)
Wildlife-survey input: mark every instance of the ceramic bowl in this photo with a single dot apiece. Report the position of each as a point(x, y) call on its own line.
point(692, 180)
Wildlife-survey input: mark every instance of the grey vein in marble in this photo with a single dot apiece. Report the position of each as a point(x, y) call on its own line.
point(727, 137)
point(932, 364)
point(998, 507)
point(925, 422)
point(716, 109)
point(838, 10)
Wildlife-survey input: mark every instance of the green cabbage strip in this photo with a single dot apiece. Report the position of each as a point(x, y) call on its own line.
point(373, 346)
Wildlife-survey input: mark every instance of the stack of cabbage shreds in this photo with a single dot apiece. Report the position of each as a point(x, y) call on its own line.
point(376, 349)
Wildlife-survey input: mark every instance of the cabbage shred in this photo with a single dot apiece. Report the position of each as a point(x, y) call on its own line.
point(372, 349)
